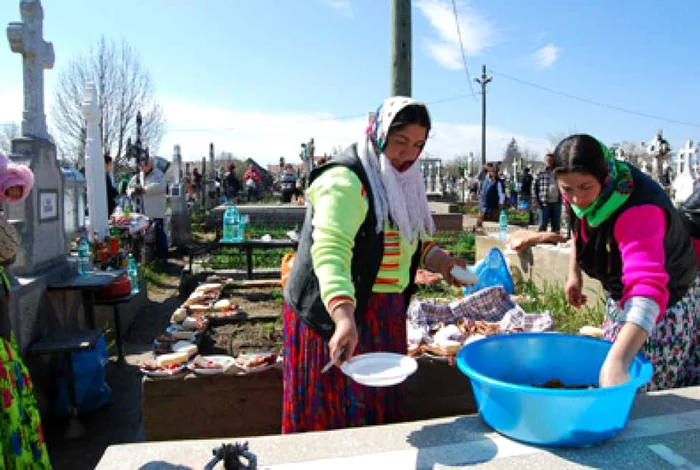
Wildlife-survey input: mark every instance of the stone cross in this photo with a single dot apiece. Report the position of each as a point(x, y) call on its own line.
point(26, 38)
point(177, 163)
point(684, 156)
point(684, 182)
point(95, 165)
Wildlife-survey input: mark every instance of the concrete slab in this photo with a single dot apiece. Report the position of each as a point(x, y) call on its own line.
point(663, 432)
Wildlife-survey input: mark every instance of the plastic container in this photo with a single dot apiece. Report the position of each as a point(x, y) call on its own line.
point(83, 256)
point(503, 369)
point(132, 271)
point(503, 225)
point(492, 271)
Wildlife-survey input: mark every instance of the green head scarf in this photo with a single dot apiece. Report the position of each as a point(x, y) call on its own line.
point(616, 188)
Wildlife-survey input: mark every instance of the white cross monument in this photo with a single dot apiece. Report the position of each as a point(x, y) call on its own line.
point(95, 165)
point(26, 38)
point(684, 183)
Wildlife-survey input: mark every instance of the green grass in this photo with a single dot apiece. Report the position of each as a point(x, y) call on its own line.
point(153, 272)
point(567, 319)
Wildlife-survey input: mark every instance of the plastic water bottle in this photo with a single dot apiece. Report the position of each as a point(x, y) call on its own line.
point(503, 225)
point(83, 256)
point(132, 271)
point(228, 224)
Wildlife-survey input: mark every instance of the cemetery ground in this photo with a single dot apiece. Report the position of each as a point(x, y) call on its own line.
point(121, 421)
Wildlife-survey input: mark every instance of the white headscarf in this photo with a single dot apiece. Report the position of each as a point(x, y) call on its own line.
point(399, 197)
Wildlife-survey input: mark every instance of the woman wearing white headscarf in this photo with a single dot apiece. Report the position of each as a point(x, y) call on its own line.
point(364, 236)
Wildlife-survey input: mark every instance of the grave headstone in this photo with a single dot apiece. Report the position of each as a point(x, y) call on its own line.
point(180, 215)
point(684, 183)
point(41, 213)
point(95, 165)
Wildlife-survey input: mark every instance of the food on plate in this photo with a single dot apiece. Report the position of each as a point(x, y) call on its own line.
point(591, 331)
point(178, 315)
point(556, 383)
point(224, 305)
point(172, 358)
point(208, 288)
point(183, 334)
point(185, 347)
point(201, 362)
point(153, 366)
point(480, 327)
point(464, 275)
point(257, 360)
point(165, 338)
point(198, 309)
point(194, 323)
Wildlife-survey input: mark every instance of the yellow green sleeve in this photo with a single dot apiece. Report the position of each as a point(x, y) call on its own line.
point(340, 206)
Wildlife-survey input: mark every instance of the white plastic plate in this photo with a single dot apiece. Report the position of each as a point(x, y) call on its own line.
point(380, 369)
point(225, 361)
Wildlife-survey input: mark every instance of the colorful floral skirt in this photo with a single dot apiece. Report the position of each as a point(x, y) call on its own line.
point(21, 437)
point(674, 346)
point(313, 401)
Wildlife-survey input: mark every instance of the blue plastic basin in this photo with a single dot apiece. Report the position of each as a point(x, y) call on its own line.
point(503, 369)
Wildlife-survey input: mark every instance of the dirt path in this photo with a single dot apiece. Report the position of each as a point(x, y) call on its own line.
point(120, 422)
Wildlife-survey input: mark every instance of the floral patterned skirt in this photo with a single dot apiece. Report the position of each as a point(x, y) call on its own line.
point(313, 401)
point(22, 443)
point(674, 346)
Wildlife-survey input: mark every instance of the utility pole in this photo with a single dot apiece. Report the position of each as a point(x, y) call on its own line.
point(400, 47)
point(483, 81)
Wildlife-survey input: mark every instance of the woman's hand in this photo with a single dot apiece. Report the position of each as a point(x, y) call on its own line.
point(439, 260)
point(345, 335)
point(573, 289)
point(614, 372)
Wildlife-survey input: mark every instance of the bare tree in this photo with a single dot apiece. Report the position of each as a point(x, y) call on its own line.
point(8, 131)
point(124, 87)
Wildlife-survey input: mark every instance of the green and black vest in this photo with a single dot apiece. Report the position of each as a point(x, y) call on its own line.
point(600, 256)
point(302, 292)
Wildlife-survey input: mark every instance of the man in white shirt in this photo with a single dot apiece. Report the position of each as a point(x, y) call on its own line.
point(148, 188)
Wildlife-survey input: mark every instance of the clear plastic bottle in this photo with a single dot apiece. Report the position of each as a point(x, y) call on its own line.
point(227, 224)
point(83, 256)
point(503, 225)
point(132, 271)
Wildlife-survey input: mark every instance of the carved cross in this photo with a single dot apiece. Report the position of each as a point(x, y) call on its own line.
point(26, 38)
point(684, 156)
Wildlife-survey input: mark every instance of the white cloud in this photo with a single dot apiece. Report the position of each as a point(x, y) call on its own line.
point(266, 137)
point(546, 56)
point(478, 34)
point(12, 105)
point(343, 6)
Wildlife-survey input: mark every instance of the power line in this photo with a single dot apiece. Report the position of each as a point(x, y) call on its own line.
point(461, 48)
point(592, 102)
point(308, 121)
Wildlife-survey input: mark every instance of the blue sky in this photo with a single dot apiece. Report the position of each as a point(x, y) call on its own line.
point(267, 67)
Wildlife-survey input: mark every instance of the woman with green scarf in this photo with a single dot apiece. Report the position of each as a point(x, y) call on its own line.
point(629, 236)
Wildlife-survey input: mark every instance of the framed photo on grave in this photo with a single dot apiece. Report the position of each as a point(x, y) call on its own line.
point(48, 205)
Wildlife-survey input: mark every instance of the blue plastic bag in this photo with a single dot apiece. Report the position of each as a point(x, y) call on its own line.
point(91, 389)
point(492, 271)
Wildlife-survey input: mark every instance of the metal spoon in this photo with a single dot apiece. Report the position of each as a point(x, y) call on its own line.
point(335, 359)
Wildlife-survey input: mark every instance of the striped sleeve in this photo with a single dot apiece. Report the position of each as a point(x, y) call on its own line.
point(340, 206)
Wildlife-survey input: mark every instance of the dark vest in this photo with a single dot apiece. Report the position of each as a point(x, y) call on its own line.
point(302, 292)
point(600, 256)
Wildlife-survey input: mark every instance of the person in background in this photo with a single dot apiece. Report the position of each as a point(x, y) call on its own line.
point(112, 193)
point(649, 270)
point(526, 192)
point(196, 183)
point(231, 184)
point(288, 183)
point(148, 186)
point(548, 197)
point(366, 231)
point(492, 197)
point(513, 192)
point(252, 180)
